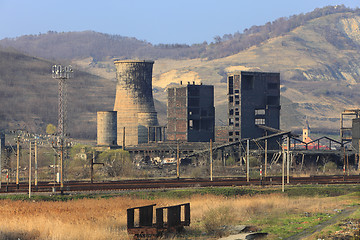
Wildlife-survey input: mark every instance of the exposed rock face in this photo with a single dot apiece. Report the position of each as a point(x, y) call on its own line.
point(134, 101)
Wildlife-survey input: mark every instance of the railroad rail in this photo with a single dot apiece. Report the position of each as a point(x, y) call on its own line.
point(72, 186)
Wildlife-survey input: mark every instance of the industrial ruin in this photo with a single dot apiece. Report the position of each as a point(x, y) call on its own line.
point(253, 120)
point(134, 102)
point(254, 105)
point(191, 113)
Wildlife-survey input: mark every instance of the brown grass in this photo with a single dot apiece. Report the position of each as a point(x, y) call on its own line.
point(106, 218)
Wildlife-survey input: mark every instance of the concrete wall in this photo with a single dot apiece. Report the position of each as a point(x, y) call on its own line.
point(107, 128)
point(134, 101)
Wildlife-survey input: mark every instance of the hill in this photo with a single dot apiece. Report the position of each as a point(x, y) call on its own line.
point(29, 96)
point(318, 62)
point(99, 46)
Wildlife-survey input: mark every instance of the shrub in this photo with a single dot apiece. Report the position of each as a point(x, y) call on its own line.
point(214, 220)
point(116, 163)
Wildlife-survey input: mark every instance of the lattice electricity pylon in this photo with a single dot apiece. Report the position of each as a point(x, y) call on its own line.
point(62, 74)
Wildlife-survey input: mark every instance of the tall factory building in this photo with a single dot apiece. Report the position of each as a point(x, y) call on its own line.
point(134, 102)
point(191, 113)
point(253, 102)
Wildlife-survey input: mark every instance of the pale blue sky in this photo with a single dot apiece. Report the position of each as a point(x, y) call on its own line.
point(156, 21)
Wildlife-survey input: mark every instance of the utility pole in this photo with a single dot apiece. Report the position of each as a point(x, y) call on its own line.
point(36, 165)
point(359, 158)
point(178, 160)
point(30, 152)
point(92, 163)
point(17, 161)
point(123, 146)
point(283, 169)
point(266, 156)
point(0, 160)
point(247, 160)
point(288, 158)
point(211, 161)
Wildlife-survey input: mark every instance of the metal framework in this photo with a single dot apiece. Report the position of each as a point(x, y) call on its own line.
point(345, 132)
point(62, 74)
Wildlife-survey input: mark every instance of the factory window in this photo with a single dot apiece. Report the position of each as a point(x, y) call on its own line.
point(194, 91)
point(236, 124)
point(272, 100)
point(237, 133)
point(247, 82)
point(194, 102)
point(236, 96)
point(193, 111)
point(236, 139)
point(237, 91)
point(231, 99)
point(231, 112)
point(231, 122)
point(231, 84)
point(236, 119)
point(260, 121)
point(191, 124)
point(272, 85)
point(259, 111)
point(237, 113)
point(231, 133)
point(237, 102)
point(230, 139)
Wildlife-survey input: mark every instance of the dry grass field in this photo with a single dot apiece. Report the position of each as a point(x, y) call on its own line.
point(101, 218)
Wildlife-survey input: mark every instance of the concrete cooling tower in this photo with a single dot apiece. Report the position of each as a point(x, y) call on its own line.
point(134, 101)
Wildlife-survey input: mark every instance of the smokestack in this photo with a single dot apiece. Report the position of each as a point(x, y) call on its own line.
point(134, 101)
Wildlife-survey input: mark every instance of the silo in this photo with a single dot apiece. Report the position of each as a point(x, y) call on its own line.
point(134, 101)
point(106, 128)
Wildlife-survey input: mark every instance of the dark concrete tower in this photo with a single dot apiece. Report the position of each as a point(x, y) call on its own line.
point(134, 101)
point(253, 103)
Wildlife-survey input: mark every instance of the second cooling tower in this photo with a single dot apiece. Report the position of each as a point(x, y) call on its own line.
point(134, 101)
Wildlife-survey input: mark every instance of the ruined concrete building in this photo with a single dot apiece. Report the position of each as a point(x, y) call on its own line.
point(254, 101)
point(191, 113)
point(134, 102)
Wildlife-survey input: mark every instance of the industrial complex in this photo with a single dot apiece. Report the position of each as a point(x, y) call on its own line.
point(253, 120)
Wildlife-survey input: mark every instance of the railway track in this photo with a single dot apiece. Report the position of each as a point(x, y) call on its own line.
point(174, 183)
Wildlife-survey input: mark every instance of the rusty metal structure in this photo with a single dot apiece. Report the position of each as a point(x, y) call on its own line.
point(191, 113)
point(349, 124)
point(253, 101)
point(176, 217)
point(107, 128)
point(134, 101)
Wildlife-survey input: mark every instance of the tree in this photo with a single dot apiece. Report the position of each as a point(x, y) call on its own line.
point(116, 163)
point(50, 129)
